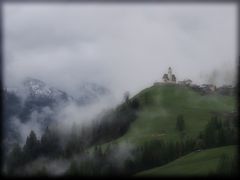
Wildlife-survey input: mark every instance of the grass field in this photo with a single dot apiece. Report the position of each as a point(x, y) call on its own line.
point(160, 106)
point(196, 163)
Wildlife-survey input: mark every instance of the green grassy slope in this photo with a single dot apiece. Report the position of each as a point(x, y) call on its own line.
point(160, 106)
point(195, 163)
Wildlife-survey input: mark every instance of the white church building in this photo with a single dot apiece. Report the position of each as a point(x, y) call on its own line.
point(169, 77)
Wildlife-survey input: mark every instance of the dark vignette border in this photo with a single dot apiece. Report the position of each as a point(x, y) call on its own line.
point(2, 2)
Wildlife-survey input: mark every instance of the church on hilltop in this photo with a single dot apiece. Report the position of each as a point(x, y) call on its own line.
point(169, 77)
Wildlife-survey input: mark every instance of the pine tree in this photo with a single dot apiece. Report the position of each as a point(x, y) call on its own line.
point(50, 144)
point(31, 148)
point(180, 124)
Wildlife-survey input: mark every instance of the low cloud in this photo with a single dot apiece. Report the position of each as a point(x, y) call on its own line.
point(62, 117)
point(81, 116)
point(51, 167)
point(125, 47)
point(36, 123)
point(226, 74)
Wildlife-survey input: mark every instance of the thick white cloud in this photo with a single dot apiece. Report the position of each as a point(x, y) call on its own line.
point(123, 46)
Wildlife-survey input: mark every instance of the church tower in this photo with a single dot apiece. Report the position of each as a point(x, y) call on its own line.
point(170, 74)
point(169, 77)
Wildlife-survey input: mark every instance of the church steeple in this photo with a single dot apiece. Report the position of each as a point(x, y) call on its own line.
point(170, 74)
point(169, 77)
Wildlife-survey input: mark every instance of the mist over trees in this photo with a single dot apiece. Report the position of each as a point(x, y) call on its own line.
point(100, 161)
point(111, 125)
point(76, 122)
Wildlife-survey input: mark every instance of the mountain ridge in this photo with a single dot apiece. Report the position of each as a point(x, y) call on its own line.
point(35, 97)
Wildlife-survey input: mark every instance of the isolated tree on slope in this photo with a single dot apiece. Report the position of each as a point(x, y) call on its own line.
point(180, 124)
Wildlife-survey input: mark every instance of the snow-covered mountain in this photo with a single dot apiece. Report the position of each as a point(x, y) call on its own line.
point(38, 88)
point(37, 101)
point(35, 88)
point(34, 94)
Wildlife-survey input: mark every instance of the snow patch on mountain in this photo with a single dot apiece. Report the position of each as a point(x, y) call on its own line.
point(38, 88)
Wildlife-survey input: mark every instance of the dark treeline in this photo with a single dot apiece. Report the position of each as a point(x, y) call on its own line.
point(159, 152)
point(218, 132)
point(109, 127)
point(112, 125)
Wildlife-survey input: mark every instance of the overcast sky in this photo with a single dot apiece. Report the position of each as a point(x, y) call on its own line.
point(125, 47)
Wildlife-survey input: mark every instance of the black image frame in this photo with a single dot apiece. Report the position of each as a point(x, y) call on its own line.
point(2, 2)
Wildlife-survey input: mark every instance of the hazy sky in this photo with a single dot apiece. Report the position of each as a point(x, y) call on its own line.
point(125, 47)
